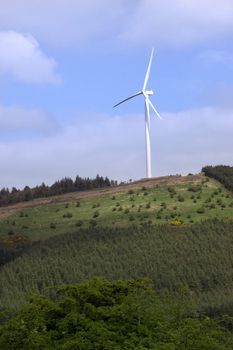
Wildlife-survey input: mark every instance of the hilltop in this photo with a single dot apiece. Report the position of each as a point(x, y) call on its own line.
point(175, 200)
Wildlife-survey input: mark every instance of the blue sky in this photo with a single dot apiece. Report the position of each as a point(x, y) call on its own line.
point(65, 63)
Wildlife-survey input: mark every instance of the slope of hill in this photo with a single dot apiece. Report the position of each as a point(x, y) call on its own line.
point(173, 199)
point(196, 261)
point(124, 232)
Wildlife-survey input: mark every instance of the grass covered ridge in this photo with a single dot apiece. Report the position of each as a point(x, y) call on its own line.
point(174, 200)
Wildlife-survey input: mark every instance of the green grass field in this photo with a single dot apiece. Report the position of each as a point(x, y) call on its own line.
point(177, 204)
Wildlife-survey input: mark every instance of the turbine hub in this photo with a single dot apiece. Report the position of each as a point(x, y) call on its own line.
point(149, 92)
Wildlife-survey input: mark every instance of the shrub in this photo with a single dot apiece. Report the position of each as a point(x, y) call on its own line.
point(93, 222)
point(78, 204)
point(180, 198)
point(96, 214)
point(52, 225)
point(113, 198)
point(79, 223)
point(194, 188)
point(126, 211)
point(67, 215)
point(148, 205)
point(176, 222)
point(131, 192)
point(67, 205)
point(11, 232)
point(201, 211)
point(131, 218)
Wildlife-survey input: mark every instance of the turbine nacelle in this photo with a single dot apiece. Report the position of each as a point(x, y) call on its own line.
point(149, 92)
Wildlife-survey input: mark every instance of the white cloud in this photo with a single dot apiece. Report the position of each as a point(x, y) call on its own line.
point(110, 23)
point(179, 22)
point(216, 56)
point(19, 119)
point(114, 146)
point(22, 59)
point(66, 22)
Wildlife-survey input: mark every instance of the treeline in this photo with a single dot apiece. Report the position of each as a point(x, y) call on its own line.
point(196, 260)
point(62, 186)
point(105, 315)
point(221, 173)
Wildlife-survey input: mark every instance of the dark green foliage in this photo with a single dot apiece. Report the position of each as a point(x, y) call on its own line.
point(131, 192)
point(96, 214)
point(12, 246)
point(78, 204)
point(131, 218)
point(67, 215)
point(197, 258)
point(79, 223)
point(180, 198)
point(65, 185)
point(106, 315)
point(52, 225)
point(194, 188)
point(93, 222)
point(222, 173)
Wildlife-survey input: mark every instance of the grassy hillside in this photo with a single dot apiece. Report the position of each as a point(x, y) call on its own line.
point(155, 228)
point(173, 200)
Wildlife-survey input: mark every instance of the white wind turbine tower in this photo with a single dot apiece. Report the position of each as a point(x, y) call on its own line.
point(146, 93)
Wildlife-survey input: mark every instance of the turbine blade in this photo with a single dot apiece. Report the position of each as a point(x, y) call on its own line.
point(129, 98)
point(148, 71)
point(150, 103)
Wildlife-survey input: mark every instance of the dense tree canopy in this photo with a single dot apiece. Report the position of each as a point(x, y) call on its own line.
point(222, 173)
point(110, 315)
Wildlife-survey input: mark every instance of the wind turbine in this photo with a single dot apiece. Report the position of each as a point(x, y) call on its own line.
point(146, 93)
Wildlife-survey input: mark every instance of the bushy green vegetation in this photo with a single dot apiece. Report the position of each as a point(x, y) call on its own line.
point(109, 316)
point(222, 173)
point(196, 260)
point(188, 202)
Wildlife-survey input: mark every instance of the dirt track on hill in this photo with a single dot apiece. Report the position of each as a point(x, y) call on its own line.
point(74, 196)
